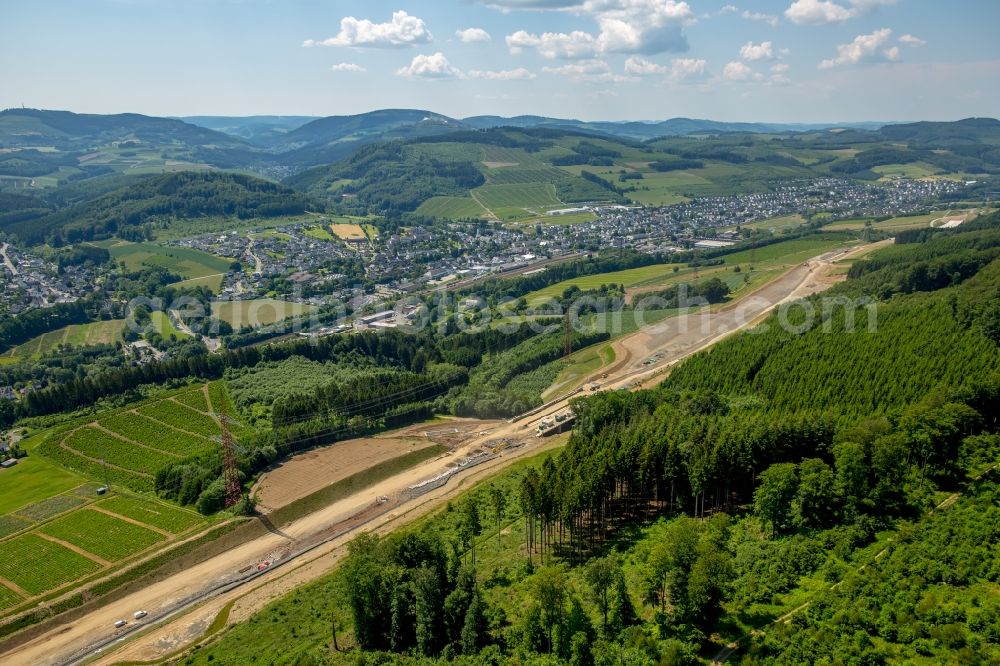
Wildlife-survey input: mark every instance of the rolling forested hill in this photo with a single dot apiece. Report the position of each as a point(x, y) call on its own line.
point(157, 199)
point(68, 131)
point(329, 139)
point(394, 162)
point(507, 173)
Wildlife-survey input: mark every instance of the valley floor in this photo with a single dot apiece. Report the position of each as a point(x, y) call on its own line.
point(184, 606)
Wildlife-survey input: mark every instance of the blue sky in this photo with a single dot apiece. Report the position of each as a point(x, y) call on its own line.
point(754, 60)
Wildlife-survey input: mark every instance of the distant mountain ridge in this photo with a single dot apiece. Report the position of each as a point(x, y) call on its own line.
point(68, 130)
point(335, 137)
point(296, 132)
point(259, 130)
point(278, 147)
point(327, 139)
point(653, 129)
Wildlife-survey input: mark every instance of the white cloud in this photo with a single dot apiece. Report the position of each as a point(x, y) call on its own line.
point(821, 12)
point(434, 66)
point(641, 26)
point(582, 68)
point(642, 67)
point(502, 75)
point(865, 6)
point(817, 12)
point(739, 71)
point(864, 48)
point(679, 69)
point(769, 19)
point(910, 40)
point(590, 70)
point(347, 67)
point(624, 26)
point(551, 45)
point(754, 52)
point(473, 35)
point(722, 11)
point(507, 5)
point(402, 30)
point(686, 69)
point(779, 74)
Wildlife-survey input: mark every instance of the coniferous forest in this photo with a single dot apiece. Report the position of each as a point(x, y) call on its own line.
point(841, 472)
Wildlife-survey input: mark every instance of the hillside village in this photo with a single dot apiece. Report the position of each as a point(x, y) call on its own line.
point(428, 257)
point(303, 263)
point(30, 282)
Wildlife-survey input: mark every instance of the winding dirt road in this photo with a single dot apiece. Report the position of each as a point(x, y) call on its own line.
point(642, 358)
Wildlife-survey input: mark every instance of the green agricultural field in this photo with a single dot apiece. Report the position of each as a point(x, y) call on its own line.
point(10, 524)
point(895, 223)
point(97, 444)
point(186, 262)
point(257, 312)
point(8, 598)
point(630, 277)
point(442, 151)
point(161, 324)
point(319, 233)
point(32, 480)
point(138, 441)
point(790, 252)
point(569, 218)
point(52, 506)
point(211, 282)
point(495, 156)
point(181, 418)
point(768, 259)
point(137, 427)
point(520, 175)
point(37, 565)
point(150, 512)
point(451, 208)
point(911, 170)
point(664, 189)
point(51, 448)
point(511, 201)
point(109, 538)
point(195, 399)
point(78, 335)
point(775, 224)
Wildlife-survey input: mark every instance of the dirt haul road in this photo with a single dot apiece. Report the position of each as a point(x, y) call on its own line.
point(668, 341)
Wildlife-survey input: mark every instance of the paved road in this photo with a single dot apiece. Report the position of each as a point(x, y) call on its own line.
point(258, 264)
point(6, 260)
point(669, 340)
